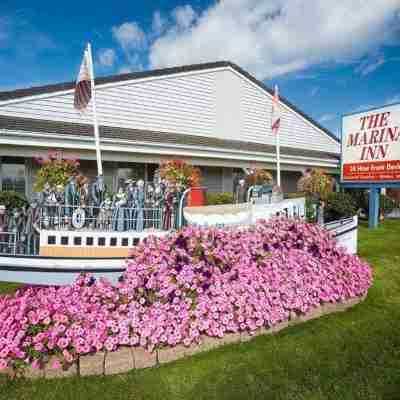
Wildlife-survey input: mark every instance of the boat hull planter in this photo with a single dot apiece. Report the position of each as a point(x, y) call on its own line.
point(185, 293)
point(128, 358)
point(36, 270)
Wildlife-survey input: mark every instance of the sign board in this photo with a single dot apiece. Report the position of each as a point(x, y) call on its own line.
point(371, 145)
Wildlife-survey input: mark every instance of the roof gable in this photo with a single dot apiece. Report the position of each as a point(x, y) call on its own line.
point(165, 72)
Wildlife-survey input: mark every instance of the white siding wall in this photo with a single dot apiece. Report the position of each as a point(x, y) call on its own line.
point(228, 96)
point(219, 103)
point(256, 108)
point(181, 104)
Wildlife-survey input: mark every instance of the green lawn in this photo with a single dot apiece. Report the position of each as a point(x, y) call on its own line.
point(352, 355)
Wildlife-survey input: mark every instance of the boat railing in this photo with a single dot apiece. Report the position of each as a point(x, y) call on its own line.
point(8, 243)
point(61, 217)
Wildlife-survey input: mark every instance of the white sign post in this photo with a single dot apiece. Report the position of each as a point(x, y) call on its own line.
point(371, 153)
point(371, 145)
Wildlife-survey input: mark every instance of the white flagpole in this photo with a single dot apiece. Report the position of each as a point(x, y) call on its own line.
point(95, 123)
point(275, 110)
point(278, 160)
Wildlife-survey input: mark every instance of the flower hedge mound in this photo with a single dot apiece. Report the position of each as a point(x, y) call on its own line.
point(177, 288)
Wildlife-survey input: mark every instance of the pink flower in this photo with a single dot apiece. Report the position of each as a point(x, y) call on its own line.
point(56, 364)
point(177, 288)
point(3, 364)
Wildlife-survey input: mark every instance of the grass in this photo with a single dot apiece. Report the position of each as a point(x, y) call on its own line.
point(352, 355)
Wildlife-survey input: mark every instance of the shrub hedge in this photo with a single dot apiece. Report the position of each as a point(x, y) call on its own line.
point(12, 199)
point(219, 198)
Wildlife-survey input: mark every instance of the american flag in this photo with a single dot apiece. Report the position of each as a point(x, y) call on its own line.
point(276, 118)
point(83, 90)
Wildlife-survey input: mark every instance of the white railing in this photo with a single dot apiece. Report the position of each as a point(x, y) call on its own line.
point(243, 214)
point(8, 243)
point(107, 219)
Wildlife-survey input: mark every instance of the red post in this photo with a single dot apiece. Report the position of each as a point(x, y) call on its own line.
point(197, 197)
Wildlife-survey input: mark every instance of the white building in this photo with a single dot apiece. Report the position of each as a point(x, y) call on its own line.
point(214, 115)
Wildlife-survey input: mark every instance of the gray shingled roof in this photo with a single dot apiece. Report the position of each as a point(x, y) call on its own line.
point(143, 136)
point(19, 93)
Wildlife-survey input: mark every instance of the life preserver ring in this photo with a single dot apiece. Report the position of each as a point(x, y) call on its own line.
point(78, 218)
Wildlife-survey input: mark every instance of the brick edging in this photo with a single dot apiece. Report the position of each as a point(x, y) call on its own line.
point(128, 358)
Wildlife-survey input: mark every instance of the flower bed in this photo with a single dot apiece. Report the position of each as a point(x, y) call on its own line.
point(178, 289)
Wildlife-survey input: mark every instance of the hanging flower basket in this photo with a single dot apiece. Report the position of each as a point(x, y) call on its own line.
point(180, 173)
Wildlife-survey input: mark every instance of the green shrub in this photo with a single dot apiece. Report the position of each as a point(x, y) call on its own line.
point(219, 198)
point(387, 204)
point(339, 205)
point(12, 200)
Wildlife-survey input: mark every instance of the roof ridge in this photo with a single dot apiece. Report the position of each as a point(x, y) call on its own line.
point(100, 80)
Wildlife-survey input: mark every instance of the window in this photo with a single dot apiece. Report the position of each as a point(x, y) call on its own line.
point(125, 242)
point(135, 241)
point(89, 241)
point(51, 239)
point(64, 240)
point(101, 241)
point(12, 171)
point(77, 240)
point(133, 171)
point(113, 241)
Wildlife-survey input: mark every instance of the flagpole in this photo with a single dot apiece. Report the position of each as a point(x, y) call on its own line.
point(275, 127)
point(278, 159)
point(95, 122)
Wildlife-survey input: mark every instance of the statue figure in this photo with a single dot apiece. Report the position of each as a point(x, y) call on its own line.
point(104, 216)
point(97, 194)
point(3, 228)
point(241, 191)
point(51, 207)
point(169, 206)
point(32, 227)
point(84, 201)
point(131, 203)
point(15, 227)
point(158, 205)
point(178, 195)
point(58, 200)
point(148, 207)
point(140, 206)
point(84, 195)
point(119, 204)
point(71, 196)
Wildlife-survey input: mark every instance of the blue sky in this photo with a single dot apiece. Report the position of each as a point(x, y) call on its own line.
point(329, 57)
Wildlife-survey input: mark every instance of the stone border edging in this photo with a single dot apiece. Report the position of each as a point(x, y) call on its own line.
point(128, 358)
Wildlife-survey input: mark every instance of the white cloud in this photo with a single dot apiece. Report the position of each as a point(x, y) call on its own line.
point(184, 16)
point(129, 36)
point(367, 66)
point(276, 37)
point(393, 99)
point(327, 118)
point(106, 57)
point(159, 23)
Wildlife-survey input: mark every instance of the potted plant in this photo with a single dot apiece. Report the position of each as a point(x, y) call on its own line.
point(54, 171)
point(316, 184)
point(181, 174)
point(260, 182)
